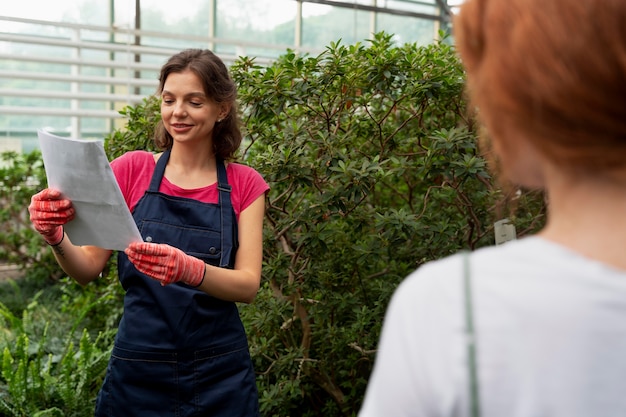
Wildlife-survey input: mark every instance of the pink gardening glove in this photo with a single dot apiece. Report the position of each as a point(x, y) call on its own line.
point(165, 263)
point(49, 211)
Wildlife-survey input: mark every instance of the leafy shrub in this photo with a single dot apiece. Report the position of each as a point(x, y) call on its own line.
point(372, 157)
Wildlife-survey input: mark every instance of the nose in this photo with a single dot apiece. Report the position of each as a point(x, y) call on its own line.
point(179, 110)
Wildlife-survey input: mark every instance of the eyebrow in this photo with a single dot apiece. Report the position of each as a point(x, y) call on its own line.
point(190, 95)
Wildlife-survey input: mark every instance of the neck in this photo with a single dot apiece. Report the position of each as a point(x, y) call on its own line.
point(191, 158)
point(586, 214)
point(190, 168)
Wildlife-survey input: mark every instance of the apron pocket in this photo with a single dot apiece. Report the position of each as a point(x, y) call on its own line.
point(142, 381)
point(226, 384)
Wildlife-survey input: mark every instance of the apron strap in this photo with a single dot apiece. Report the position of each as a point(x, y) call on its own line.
point(159, 170)
point(227, 214)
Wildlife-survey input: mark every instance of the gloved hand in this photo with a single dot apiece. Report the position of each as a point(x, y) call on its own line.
point(49, 211)
point(166, 263)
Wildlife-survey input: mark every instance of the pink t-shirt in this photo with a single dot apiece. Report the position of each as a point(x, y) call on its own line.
point(134, 169)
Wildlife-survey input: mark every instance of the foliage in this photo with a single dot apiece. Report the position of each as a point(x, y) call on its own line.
point(21, 176)
point(141, 121)
point(50, 367)
point(374, 168)
point(56, 341)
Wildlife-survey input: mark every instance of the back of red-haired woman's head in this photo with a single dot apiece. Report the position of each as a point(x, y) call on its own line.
point(552, 70)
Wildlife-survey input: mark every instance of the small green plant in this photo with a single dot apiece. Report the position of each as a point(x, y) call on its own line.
point(47, 369)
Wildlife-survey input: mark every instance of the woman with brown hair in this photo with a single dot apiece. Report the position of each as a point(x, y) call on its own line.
point(537, 326)
point(180, 349)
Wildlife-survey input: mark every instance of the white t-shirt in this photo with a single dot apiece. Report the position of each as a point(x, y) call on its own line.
point(550, 331)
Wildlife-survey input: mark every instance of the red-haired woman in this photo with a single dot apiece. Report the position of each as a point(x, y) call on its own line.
point(537, 326)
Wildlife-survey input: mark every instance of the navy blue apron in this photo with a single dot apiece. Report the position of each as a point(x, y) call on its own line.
point(178, 351)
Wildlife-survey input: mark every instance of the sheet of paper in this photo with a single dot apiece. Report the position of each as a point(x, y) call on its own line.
point(79, 168)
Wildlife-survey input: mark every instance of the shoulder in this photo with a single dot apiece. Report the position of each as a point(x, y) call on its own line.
point(134, 158)
point(530, 268)
point(482, 264)
point(247, 183)
point(241, 170)
point(439, 283)
point(245, 178)
point(420, 343)
point(133, 171)
point(421, 347)
point(133, 164)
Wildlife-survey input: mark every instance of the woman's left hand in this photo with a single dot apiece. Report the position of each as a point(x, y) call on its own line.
point(166, 263)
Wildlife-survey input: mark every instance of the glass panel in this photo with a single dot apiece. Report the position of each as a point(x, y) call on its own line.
point(421, 6)
point(124, 13)
point(85, 11)
point(427, 7)
point(258, 28)
point(42, 10)
point(192, 19)
point(261, 28)
point(407, 29)
point(322, 25)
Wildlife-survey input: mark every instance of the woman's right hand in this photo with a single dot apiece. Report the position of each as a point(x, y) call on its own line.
point(49, 211)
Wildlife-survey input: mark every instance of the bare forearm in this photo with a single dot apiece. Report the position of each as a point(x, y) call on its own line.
point(82, 263)
point(230, 284)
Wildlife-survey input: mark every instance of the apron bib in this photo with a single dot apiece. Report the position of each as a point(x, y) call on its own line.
point(178, 351)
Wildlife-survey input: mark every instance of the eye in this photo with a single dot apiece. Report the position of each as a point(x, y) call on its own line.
point(167, 101)
point(195, 104)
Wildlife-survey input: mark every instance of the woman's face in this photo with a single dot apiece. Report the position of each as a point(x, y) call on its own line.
point(188, 114)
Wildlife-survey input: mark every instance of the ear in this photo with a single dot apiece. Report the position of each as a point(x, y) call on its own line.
point(224, 110)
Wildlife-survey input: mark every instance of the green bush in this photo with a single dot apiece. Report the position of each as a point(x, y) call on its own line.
point(372, 157)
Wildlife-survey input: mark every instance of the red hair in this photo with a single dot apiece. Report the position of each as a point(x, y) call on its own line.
point(553, 70)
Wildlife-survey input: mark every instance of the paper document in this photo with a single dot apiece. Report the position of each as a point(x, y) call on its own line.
point(79, 168)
